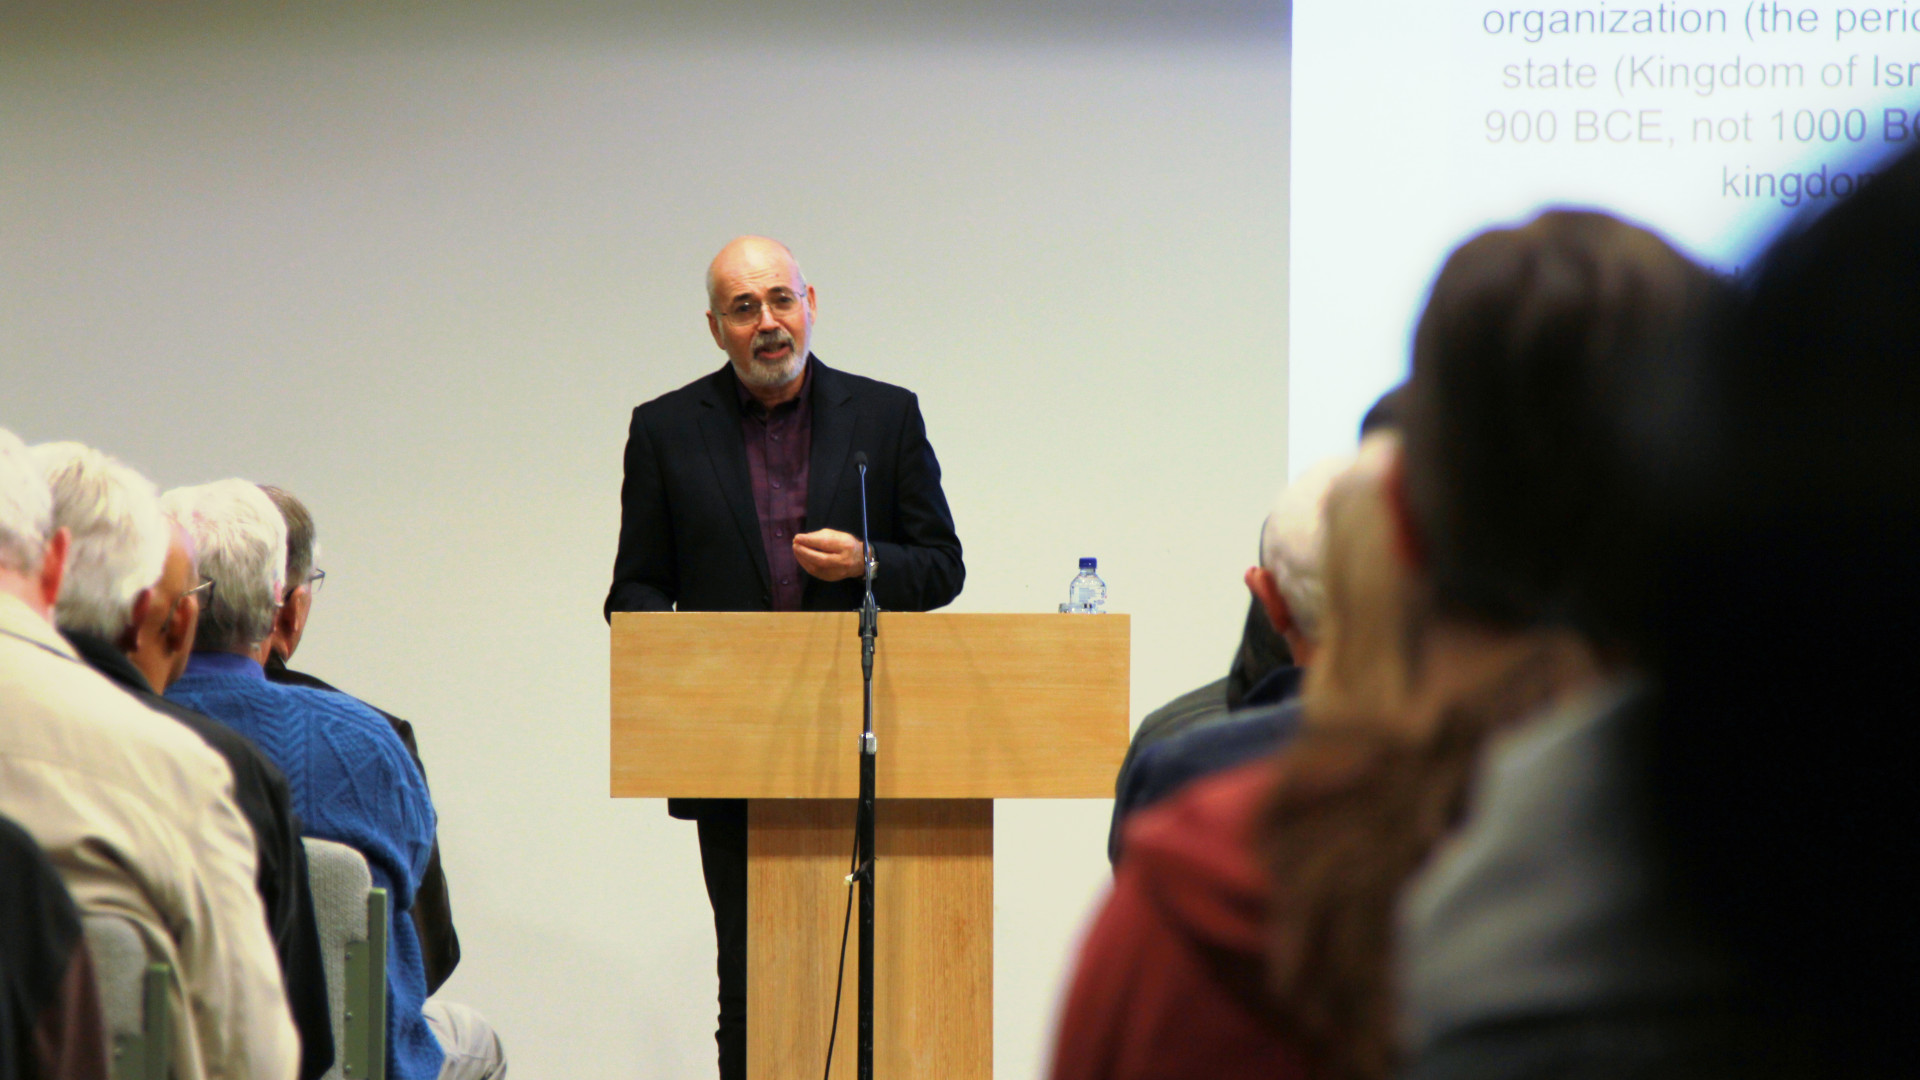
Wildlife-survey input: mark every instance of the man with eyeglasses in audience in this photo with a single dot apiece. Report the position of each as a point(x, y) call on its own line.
point(352, 780)
point(129, 610)
point(432, 909)
point(741, 495)
point(136, 812)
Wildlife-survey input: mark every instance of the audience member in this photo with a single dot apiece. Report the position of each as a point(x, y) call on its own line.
point(1170, 980)
point(432, 908)
point(128, 608)
point(352, 781)
point(1261, 653)
point(135, 811)
point(1783, 754)
point(1287, 584)
point(1536, 943)
point(50, 1025)
point(1515, 613)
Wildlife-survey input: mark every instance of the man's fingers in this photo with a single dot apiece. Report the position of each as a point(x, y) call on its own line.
point(828, 540)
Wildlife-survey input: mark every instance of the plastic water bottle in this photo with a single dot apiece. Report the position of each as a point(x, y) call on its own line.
point(1087, 595)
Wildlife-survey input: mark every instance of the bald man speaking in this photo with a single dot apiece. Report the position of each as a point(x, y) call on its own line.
point(741, 495)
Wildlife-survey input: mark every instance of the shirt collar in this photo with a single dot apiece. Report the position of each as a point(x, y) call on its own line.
point(107, 659)
point(224, 663)
point(17, 620)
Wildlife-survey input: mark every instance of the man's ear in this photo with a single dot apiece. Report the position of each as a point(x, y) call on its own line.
point(1406, 534)
point(53, 567)
point(136, 622)
point(713, 327)
point(180, 631)
point(285, 625)
point(1266, 590)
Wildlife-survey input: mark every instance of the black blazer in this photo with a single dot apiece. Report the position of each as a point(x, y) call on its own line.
point(689, 531)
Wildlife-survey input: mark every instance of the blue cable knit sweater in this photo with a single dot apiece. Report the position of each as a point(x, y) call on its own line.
point(352, 783)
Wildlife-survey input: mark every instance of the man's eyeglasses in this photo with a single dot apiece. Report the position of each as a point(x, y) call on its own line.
point(202, 592)
point(745, 311)
point(316, 577)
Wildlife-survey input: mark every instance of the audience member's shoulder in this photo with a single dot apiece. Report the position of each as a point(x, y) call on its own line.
point(1234, 738)
point(1207, 824)
point(95, 727)
point(1184, 711)
point(1196, 860)
point(336, 705)
point(344, 717)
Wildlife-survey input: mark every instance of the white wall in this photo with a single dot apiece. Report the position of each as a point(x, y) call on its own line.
point(418, 268)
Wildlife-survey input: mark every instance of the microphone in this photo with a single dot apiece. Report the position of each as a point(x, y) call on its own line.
point(866, 542)
point(869, 610)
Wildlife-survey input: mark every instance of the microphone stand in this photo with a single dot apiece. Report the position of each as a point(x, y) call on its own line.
point(863, 819)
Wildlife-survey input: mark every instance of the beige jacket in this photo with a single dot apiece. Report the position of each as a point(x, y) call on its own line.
point(137, 813)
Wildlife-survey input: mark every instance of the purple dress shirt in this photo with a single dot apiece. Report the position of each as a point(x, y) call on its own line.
point(779, 443)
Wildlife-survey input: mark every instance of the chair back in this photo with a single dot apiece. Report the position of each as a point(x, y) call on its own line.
point(352, 916)
point(133, 997)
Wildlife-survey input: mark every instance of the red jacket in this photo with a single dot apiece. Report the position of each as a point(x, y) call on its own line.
point(1170, 978)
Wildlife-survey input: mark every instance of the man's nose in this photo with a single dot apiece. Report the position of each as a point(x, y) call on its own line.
point(767, 321)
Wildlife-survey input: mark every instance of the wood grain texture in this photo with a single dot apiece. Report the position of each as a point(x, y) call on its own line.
point(757, 705)
point(933, 939)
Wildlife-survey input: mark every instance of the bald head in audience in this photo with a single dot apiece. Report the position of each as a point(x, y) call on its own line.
point(1288, 580)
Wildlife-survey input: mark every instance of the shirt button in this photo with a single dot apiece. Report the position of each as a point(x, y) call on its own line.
point(785, 581)
point(778, 532)
point(775, 438)
point(776, 485)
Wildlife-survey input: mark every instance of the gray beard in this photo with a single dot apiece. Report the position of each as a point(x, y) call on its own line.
point(759, 376)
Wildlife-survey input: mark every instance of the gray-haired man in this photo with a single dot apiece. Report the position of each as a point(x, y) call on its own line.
point(130, 609)
point(135, 811)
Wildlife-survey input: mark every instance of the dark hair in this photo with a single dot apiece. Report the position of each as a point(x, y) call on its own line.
point(300, 534)
point(1522, 490)
point(1786, 760)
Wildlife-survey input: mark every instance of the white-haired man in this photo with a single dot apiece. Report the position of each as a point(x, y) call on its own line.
point(1287, 584)
point(129, 607)
point(136, 812)
point(352, 780)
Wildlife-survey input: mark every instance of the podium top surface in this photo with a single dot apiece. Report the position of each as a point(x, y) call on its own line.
point(760, 705)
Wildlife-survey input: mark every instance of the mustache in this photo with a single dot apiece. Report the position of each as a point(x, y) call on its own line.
point(768, 339)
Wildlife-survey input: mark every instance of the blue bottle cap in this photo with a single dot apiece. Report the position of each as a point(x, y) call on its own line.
point(1088, 562)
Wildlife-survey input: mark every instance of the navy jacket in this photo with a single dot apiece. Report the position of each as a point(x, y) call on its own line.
point(1271, 715)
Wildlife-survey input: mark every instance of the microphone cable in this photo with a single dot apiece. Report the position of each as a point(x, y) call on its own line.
point(840, 982)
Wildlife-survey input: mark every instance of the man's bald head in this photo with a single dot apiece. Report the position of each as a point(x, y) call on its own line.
point(745, 255)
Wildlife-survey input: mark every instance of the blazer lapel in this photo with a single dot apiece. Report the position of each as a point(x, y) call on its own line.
point(832, 442)
point(727, 453)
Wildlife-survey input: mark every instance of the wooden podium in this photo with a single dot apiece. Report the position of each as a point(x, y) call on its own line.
point(967, 709)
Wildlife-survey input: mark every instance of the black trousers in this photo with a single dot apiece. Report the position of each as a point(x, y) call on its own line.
point(723, 860)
